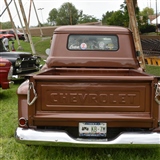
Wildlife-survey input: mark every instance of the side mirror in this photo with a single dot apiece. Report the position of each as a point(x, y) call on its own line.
point(48, 51)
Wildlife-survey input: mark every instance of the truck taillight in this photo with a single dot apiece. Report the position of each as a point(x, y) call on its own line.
point(22, 122)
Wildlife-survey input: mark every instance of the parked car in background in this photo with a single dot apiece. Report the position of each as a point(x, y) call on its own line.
point(22, 62)
point(1, 35)
point(6, 71)
point(4, 33)
point(19, 34)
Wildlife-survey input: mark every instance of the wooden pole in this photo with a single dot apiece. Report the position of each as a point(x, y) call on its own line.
point(27, 27)
point(14, 28)
point(133, 23)
point(39, 24)
point(26, 38)
point(30, 6)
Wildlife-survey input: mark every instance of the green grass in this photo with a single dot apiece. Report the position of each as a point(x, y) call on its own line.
point(154, 70)
point(11, 150)
point(40, 45)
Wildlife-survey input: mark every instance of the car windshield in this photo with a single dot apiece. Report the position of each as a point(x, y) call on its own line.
point(93, 42)
point(3, 32)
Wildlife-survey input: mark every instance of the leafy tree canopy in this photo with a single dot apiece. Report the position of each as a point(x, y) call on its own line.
point(6, 25)
point(67, 14)
point(120, 17)
point(145, 14)
point(53, 16)
point(147, 11)
point(87, 18)
point(106, 16)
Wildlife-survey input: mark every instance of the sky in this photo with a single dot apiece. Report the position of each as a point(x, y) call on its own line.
point(94, 8)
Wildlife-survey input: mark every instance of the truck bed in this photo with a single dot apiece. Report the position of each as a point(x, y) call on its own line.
point(69, 96)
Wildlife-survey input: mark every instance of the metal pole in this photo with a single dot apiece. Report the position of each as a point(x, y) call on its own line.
point(134, 27)
point(20, 21)
point(27, 27)
point(14, 28)
point(37, 19)
point(41, 13)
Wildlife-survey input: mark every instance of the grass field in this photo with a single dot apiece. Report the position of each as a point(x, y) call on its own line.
point(10, 150)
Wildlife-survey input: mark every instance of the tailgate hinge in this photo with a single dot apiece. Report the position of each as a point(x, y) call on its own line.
point(157, 93)
point(31, 86)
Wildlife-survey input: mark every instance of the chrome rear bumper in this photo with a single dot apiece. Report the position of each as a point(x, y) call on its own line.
point(59, 138)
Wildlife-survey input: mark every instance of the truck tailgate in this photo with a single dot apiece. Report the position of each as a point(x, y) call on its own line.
point(95, 98)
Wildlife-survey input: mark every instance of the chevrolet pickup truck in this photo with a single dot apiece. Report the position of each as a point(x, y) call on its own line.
point(91, 92)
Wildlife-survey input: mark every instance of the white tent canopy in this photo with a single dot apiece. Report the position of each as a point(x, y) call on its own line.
point(154, 21)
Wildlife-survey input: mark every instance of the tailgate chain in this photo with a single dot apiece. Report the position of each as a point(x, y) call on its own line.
point(157, 94)
point(31, 86)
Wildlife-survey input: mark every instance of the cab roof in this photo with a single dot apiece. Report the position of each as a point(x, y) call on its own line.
point(90, 29)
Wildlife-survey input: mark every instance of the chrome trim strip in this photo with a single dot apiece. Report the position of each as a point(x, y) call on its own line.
point(20, 70)
point(60, 138)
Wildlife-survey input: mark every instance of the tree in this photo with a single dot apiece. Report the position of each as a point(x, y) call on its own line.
point(147, 11)
point(66, 15)
point(106, 16)
point(120, 17)
point(117, 18)
point(6, 25)
point(145, 14)
point(87, 18)
point(53, 14)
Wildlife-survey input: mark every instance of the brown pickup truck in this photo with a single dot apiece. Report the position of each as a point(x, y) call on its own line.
point(91, 92)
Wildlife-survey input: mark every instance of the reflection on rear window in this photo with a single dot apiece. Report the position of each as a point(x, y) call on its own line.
point(93, 42)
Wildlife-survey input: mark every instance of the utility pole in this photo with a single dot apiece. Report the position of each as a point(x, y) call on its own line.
point(27, 27)
point(133, 23)
point(14, 28)
point(20, 21)
point(30, 6)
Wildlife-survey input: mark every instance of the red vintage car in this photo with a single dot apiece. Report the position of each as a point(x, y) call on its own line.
point(3, 33)
point(6, 71)
point(19, 34)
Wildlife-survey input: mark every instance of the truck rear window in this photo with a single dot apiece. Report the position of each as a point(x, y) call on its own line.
point(93, 42)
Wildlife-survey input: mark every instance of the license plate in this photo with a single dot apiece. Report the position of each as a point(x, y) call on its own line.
point(92, 129)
